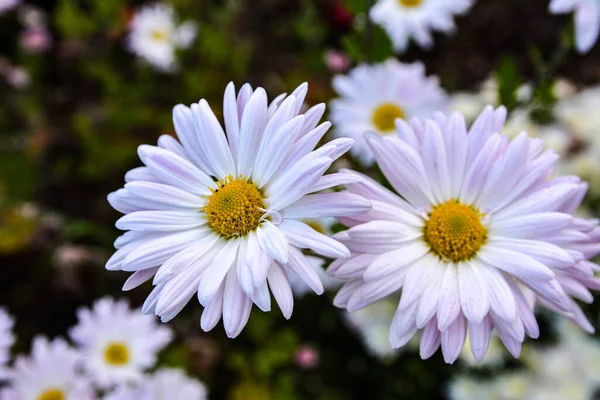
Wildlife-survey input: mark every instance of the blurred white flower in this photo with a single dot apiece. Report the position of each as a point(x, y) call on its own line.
point(50, 372)
point(587, 20)
point(17, 77)
point(417, 19)
point(372, 323)
point(118, 343)
point(164, 384)
point(156, 34)
point(35, 40)
point(7, 339)
point(6, 5)
point(372, 97)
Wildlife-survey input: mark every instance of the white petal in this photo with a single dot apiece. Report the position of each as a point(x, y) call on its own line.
point(212, 313)
point(530, 226)
point(449, 302)
point(473, 293)
point(325, 205)
point(301, 267)
point(453, 339)
point(273, 241)
point(236, 306)
point(160, 221)
point(213, 276)
point(167, 195)
point(280, 286)
point(303, 236)
point(254, 120)
point(139, 277)
point(517, 264)
point(212, 141)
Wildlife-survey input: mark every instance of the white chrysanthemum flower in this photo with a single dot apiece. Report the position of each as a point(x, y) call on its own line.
point(164, 384)
point(417, 19)
point(155, 35)
point(477, 223)
point(587, 20)
point(222, 214)
point(7, 339)
point(374, 96)
point(51, 372)
point(118, 343)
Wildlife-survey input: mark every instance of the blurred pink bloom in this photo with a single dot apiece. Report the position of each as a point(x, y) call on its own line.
point(307, 357)
point(337, 61)
point(35, 40)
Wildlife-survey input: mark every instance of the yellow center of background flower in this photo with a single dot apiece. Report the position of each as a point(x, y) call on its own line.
point(52, 394)
point(454, 231)
point(385, 115)
point(159, 36)
point(233, 209)
point(410, 3)
point(116, 354)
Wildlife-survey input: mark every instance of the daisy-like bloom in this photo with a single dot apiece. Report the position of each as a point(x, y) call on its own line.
point(155, 35)
point(417, 19)
point(118, 343)
point(221, 215)
point(478, 225)
point(51, 372)
point(164, 384)
point(587, 20)
point(372, 97)
point(7, 339)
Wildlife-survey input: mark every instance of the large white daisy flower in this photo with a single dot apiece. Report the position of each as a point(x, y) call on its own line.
point(51, 372)
point(416, 19)
point(374, 96)
point(7, 339)
point(222, 213)
point(587, 20)
point(155, 35)
point(164, 384)
point(118, 343)
point(478, 220)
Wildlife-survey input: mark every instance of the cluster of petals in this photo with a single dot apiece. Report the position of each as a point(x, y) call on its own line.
point(534, 249)
point(169, 238)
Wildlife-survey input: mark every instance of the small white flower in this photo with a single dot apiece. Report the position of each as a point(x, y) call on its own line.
point(372, 97)
point(587, 20)
point(7, 339)
point(221, 214)
point(118, 343)
point(406, 19)
point(155, 35)
point(164, 384)
point(51, 372)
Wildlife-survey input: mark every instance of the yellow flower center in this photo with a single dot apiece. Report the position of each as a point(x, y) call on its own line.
point(454, 231)
point(159, 36)
point(385, 115)
point(234, 208)
point(410, 3)
point(116, 354)
point(52, 394)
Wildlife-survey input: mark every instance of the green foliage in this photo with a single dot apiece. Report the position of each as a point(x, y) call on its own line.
point(507, 75)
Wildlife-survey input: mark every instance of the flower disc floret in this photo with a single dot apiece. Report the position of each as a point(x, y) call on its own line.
point(454, 231)
point(235, 207)
point(385, 115)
